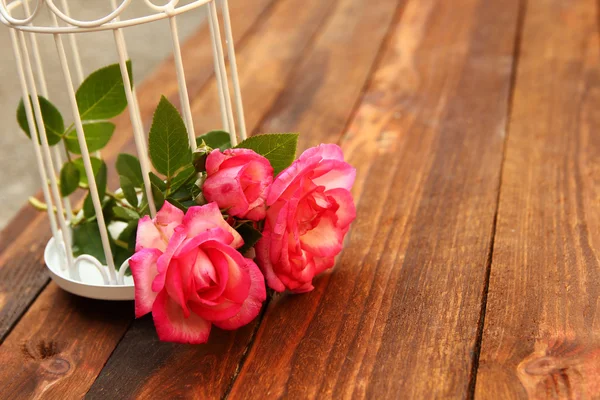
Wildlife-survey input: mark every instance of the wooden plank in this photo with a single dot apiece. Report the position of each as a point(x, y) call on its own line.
point(21, 267)
point(226, 349)
point(56, 352)
point(170, 370)
point(542, 326)
point(22, 271)
point(399, 316)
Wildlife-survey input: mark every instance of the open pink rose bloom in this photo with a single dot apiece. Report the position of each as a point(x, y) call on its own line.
point(310, 211)
point(189, 274)
point(188, 269)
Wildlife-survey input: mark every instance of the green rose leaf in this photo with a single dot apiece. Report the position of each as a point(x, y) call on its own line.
point(97, 135)
point(125, 245)
point(128, 235)
point(278, 148)
point(53, 120)
point(128, 190)
point(129, 166)
point(96, 165)
point(250, 234)
point(125, 214)
point(158, 182)
point(87, 240)
point(182, 178)
point(101, 180)
point(102, 94)
point(69, 179)
point(215, 139)
point(168, 141)
point(177, 204)
point(159, 196)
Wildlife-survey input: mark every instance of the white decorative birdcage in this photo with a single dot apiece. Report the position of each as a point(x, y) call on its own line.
point(85, 275)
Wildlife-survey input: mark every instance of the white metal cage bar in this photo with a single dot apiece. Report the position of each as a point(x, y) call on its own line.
point(218, 46)
point(32, 77)
point(237, 92)
point(36, 146)
point(32, 93)
point(41, 80)
point(85, 156)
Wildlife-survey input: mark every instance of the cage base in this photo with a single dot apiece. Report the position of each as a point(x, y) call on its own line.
point(91, 284)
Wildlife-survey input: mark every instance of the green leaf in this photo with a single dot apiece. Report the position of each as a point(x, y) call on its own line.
point(53, 120)
point(69, 179)
point(128, 234)
point(121, 255)
point(96, 165)
point(125, 214)
point(215, 139)
point(182, 178)
point(250, 234)
point(278, 148)
point(87, 240)
point(158, 182)
point(159, 196)
point(168, 140)
point(177, 204)
point(101, 180)
point(129, 166)
point(102, 94)
point(128, 191)
point(97, 135)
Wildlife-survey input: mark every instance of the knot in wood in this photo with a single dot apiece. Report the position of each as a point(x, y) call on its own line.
point(543, 366)
point(56, 366)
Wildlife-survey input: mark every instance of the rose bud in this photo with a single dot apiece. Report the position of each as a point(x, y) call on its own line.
point(238, 180)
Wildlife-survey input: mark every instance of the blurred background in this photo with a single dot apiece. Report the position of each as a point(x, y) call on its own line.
point(147, 44)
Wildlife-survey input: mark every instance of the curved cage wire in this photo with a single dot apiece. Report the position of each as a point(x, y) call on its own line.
point(22, 17)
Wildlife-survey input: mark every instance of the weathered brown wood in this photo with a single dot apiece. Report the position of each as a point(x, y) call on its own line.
point(196, 379)
point(60, 345)
point(142, 367)
point(398, 317)
point(22, 273)
point(542, 325)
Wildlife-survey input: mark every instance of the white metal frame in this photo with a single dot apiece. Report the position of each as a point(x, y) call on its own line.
point(30, 67)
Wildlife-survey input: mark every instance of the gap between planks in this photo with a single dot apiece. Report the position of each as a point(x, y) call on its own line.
point(513, 80)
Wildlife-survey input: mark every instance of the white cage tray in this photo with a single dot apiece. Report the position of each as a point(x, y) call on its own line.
point(92, 283)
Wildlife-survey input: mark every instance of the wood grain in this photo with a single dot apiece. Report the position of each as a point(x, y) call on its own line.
point(22, 272)
point(170, 370)
point(186, 379)
point(60, 345)
point(542, 325)
point(398, 317)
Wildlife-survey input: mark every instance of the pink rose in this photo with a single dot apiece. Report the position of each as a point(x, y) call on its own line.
point(310, 212)
point(188, 273)
point(238, 180)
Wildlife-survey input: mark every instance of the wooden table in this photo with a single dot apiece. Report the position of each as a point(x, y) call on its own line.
point(473, 266)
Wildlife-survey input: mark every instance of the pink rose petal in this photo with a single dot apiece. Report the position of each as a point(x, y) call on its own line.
point(201, 218)
point(251, 307)
point(172, 325)
point(143, 268)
